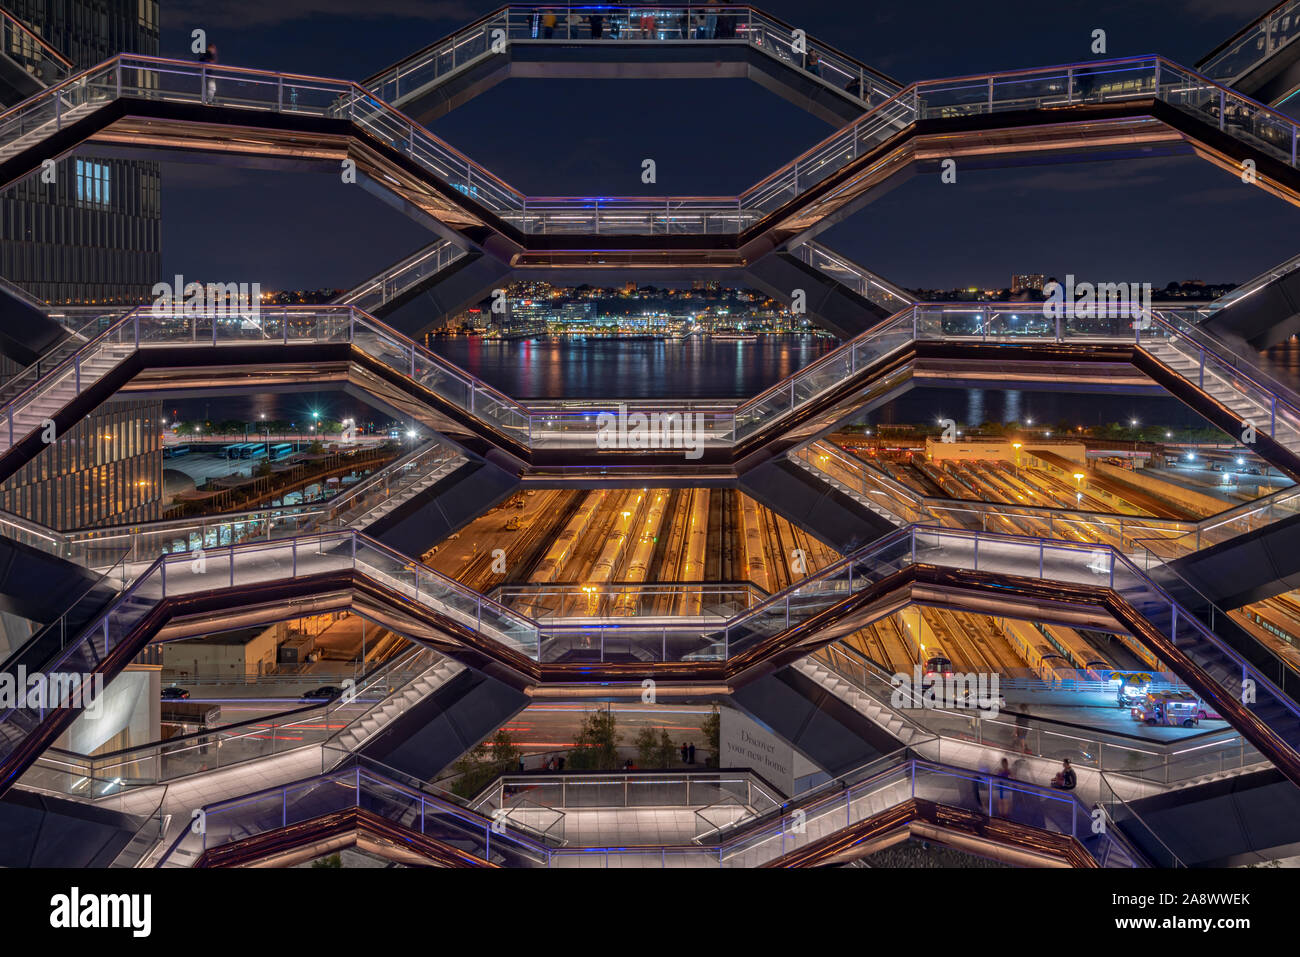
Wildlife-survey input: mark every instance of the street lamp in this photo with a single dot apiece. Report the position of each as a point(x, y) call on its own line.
point(1016, 446)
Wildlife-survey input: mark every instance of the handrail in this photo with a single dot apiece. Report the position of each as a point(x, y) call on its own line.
point(1251, 286)
point(18, 292)
point(66, 544)
point(357, 772)
point(91, 766)
point(1167, 749)
point(536, 426)
point(1260, 25)
point(36, 38)
point(745, 14)
point(814, 805)
point(809, 250)
point(915, 90)
point(49, 91)
point(910, 101)
point(929, 502)
point(1114, 798)
point(415, 261)
point(1258, 377)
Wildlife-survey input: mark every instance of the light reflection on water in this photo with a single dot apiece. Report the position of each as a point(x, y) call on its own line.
point(635, 369)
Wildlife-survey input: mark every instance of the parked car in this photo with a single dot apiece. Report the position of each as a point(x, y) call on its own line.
point(323, 693)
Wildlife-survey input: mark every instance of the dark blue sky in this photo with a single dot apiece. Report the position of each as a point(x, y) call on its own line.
point(1153, 220)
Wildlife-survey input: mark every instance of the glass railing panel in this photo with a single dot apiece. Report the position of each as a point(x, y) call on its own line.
point(68, 100)
point(1245, 52)
point(432, 64)
point(261, 813)
point(390, 801)
point(1121, 816)
point(1033, 91)
point(396, 355)
point(438, 378)
point(765, 411)
point(433, 590)
point(501, 412)
point(861, 281)
point(767, 621)
point(1106, 82)
point(30, 51)
point(686, 645)
point(513, 631)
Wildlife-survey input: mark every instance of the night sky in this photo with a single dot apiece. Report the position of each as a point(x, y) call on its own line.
point(1152, 220)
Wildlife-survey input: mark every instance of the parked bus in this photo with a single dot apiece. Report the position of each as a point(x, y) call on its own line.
point(173, 451)
point(283, 450)
point(236, 451)
point(254, 450)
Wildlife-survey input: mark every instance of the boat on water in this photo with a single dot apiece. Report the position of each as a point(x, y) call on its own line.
point(736, 336)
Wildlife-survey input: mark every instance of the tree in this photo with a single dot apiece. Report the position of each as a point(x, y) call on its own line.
point(654, 749)
point(711, 728)
point(484, 763)
point(597, 743)
point(263, 468)
point(334, 860)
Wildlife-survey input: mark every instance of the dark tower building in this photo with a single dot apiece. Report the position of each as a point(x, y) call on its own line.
point(93, 236)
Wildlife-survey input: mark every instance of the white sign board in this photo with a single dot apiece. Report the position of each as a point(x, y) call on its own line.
point(744, 743)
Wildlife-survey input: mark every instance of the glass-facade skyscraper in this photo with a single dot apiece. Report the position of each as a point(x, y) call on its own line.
point(93, 236)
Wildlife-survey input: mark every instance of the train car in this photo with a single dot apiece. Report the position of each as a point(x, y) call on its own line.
point(283, 450)
point(697, 540)
point(752, 543)
point(603, 570)
point(561, 550)
point(1099, 669)
point(1275, 618)
point(937, 661)
point(1049, 664)
point(643, 550)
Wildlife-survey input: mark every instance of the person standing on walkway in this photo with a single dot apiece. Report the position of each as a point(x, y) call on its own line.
point(1003, 803)
point(690, 753)
point(209, 57)
point(1021, 742)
